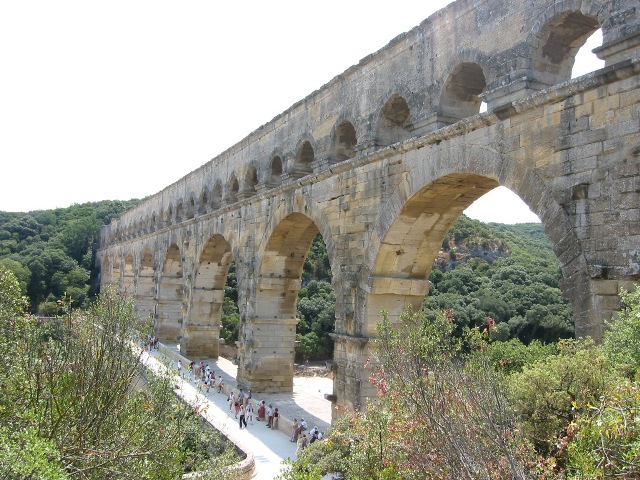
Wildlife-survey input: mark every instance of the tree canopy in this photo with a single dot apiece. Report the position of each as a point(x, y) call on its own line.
point(51, 251)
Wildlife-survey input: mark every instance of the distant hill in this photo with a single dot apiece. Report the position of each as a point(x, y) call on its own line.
point(507, 274)
point(51, 250)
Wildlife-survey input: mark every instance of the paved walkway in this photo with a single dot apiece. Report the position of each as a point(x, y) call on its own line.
point(268, 446)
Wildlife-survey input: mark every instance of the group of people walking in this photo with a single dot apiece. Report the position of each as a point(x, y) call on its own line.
point(241, 405)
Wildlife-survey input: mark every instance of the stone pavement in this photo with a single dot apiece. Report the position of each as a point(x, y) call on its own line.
point(268, 447)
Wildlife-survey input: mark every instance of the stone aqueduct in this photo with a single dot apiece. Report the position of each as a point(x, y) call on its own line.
point(381, 161)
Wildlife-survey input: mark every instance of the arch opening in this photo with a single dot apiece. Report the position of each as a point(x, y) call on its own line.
point(275, 171)
point(105, 272)
point(394, 122)
point(180, 212)
point(250, 182)
point(216, 197)
point(344, 142)
point(461, 94)
point(191, 208)
point(471, 269)
point(145, 293)
point(559, 42)
point(116, 269)
point(304, 160)
point(203, 203)
point(586, 61)
point(128, 276)
point(232, 191)
point(279, 282)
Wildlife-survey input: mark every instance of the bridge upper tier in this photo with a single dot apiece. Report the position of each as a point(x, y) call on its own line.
point(428, 78)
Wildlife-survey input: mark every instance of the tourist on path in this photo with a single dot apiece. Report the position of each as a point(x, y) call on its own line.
point(302, 443)
point(269, 416)
point(295, 431)
point(232, 402)
point(242, 417)
point(250, 412)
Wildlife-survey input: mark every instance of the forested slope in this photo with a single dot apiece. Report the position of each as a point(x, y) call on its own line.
point(51, 251)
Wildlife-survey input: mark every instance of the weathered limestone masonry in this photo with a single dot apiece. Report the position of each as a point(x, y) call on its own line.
point(381, 161)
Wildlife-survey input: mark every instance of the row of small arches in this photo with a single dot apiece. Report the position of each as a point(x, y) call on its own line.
point(393, 126)
point(460, 97)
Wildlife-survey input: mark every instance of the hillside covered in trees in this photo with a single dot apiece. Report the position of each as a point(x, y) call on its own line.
point(51, 251)
point(486, 275)
point(505, 275)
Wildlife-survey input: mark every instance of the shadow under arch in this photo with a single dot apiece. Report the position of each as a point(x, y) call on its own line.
point(460, 96)
point(407, 239)
point(394, 122)
point(201, 333)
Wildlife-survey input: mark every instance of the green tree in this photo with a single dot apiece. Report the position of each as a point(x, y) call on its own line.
point(316, 310)
point(622, 339)
point(22, 273)
point(548, 394)
point(604, 440)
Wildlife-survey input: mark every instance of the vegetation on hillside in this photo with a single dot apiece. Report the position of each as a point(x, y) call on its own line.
point(457, 407)
point(502, 274)
point(51, 251)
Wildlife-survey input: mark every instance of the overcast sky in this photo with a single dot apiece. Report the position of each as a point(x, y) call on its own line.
point(119, 99)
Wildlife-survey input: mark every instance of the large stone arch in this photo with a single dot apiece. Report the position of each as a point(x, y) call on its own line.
point(558, 35)
point(269, 329)
point(432, 201)
point(201, 333)
point(169, 311)
point(145, 294)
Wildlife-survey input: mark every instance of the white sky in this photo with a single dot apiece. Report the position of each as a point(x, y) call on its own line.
point(119, 99)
